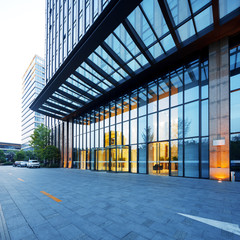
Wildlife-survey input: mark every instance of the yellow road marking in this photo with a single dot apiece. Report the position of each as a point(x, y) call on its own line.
point(52, 197)
point(20, 179)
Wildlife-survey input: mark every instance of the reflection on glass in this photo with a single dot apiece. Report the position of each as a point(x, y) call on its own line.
point(235, 113)
point(152, 127)
point(133, 101)
point(204, 19)
point(119, 134)
point(163, 125)
point(176, 79)
point(112, 114)
point(168, 43)
point(142, 133)
point(235, 155)
point(125, 108)
point(133, 131)
point(196, 5)
point(176, 122)
point(158, 158)
point(235, 82)
point(191, 119)
point(191, 157)
point(204, 118)
point(226, 7)
point(119, 111)
point(205, 158)
point(83, 159)
point(177, 158)
point(186, 30)
point(163, 91)
point(142, 149)
point(152, 98)
point(126, 133)
point(142, 101)
point(133, 158)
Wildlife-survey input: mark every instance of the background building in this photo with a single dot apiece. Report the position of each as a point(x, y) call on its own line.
point(9, 146)
point(32, 85)
point(146, 86)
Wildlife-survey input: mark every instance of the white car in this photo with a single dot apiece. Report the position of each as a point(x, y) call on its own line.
point(23, 164)
point(33, 164)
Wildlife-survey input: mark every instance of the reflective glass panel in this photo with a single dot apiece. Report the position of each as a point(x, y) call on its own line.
point(142, 131)
point(205, 158)
point(126, 133)
point(176, 79)
point(226, 6)
point(142, 149)
point(177, 122)
point(191, 119)
point(133, 102)
point(152, 127)
point(142, 101)
point(133, 131)
point(179, 9)
point(235, 82)
point(126, 108)
point(204, 118)
point(119, 133)
point(133, 161)
point(186, 30)
point(154, 15)
point(191, 157)
point(204, 19)
point(152, 98)
point(163, 125)
point(196, 4)
point(235, 155)
point(163, 94)
point(177, 158)
point(235, 113)
point(168, 43)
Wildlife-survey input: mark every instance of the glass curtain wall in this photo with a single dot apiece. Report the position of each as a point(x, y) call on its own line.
point(160, 128)
point(234, 110)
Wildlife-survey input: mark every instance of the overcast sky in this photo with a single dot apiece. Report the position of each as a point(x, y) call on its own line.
point(22, 25)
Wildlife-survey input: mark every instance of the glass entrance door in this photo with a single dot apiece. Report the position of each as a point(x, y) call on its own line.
point(158, 158)
point(118, 158)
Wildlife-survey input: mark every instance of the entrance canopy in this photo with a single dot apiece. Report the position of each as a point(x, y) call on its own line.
point(129, 41)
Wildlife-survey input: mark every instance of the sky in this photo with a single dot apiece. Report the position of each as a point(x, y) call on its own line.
point(22, 27)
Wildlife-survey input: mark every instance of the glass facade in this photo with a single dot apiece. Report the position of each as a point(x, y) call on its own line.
point(160, 128)
point(234, 110)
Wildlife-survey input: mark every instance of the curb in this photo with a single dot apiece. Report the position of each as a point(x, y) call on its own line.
point(4, 235)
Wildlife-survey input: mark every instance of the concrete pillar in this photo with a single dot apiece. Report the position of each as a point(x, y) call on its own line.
point(219, 110)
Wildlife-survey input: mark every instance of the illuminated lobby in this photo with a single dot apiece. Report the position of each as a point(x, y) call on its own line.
point(155, 90)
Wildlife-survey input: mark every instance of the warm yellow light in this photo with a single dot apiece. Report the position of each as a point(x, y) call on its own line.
point(220, 180)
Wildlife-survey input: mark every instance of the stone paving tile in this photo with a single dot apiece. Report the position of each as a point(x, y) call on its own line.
point(115, 206)
point(24, 232)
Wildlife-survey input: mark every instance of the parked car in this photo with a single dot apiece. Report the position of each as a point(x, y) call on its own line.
point(16, 164)
point(23, 164)
point(33, 164)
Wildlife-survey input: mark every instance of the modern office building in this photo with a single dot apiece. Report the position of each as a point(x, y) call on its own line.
point(148, 86)
point(33, 82)
point(10, 146)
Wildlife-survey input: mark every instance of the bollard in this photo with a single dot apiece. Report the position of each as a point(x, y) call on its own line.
point(233, 176)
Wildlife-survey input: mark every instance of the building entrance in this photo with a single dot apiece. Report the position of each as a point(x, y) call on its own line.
point(158, 158)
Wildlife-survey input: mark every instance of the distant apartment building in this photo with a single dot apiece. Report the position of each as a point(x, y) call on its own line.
point(33, 82)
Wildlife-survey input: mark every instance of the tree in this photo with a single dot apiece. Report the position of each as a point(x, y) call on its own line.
point(30, 155)
point(2, 156)
point(10, 155)
point(20, 156)
point(52, 155)
point(40, 140)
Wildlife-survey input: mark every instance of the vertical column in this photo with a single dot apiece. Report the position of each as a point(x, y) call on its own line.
point(65, 143)
point(219, 110)
point(61, 139)
point(70, 143)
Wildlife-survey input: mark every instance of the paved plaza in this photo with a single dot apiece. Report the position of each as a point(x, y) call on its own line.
point(73, 204)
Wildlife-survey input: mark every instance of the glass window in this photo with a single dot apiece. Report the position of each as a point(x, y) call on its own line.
point(204, 19)
point(235, 155)
point(235, 82)
point(204, 118)
point(186, 30)
point(142, 133)
point(177, 158)
point(142, 101)
point(152, 98)
point(133, 162)
point(176, 79)
point(152, 127)
point(168, 43)
point(226, 6)
point(133, 131)
point(119, 133)
point(133, 102)
point(191, 119)
point(163, 125)
point(126, 133)
point(119, 110)
point(163, 94)
point(205, 158)
point(235, 113)
point(179, 9)
point(126, 108)
point(196, 5)
point(177, 122)
point(191, 157)
point(142, 149)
